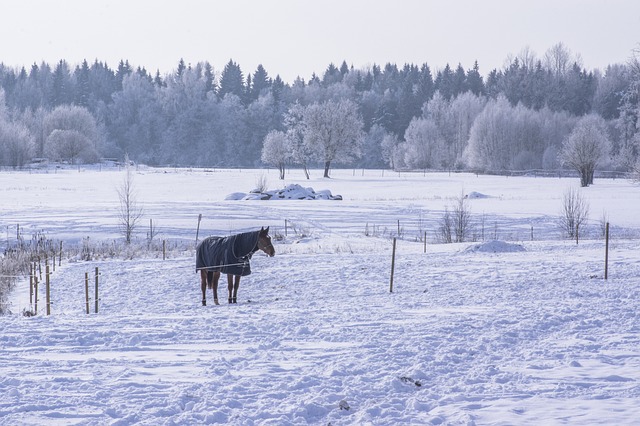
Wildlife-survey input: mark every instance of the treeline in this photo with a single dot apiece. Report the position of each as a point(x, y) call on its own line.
point(411, 116)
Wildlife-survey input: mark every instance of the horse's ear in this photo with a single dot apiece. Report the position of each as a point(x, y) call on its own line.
point(266, 231)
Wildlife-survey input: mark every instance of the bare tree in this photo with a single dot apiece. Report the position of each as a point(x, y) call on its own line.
point(130, 213)
point(558, 59)
point(455, 225)
point(575, 213)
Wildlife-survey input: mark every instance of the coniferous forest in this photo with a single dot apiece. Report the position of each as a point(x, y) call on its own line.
point(402, 116)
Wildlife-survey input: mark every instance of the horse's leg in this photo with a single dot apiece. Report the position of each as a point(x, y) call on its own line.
point(203, 286)
point(236, 286)
point(230, 287)
point(216, 277)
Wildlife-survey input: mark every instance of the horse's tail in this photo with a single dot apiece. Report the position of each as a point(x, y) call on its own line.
point(209, 278)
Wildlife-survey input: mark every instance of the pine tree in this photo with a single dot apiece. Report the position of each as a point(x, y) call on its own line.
point(231, 81)
point(83, 90)
point(261, 82)
point(474, 80)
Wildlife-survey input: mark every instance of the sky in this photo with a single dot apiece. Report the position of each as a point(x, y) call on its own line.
point(294, 38)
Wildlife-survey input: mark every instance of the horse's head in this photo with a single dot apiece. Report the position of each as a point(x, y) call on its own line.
point(264, 242)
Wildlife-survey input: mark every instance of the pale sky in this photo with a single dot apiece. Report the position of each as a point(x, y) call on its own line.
point(298, 37)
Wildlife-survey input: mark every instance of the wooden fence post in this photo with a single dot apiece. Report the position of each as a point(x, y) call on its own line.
point(393, 264)
point(35, 290)
point(96, 295)
point(47, 290)
point(60, 258)
point(86, 290)
point(31, 276)
point(606, 252)
point(425, 241)
point(164, 249)
point(285, 227)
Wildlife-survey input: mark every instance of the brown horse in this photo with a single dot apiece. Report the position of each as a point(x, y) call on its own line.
point(229, 255)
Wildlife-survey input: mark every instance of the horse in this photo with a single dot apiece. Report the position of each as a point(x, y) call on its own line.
point(229, 255)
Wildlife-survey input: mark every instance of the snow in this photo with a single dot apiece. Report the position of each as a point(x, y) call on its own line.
point(292, 191)
point(506, 330)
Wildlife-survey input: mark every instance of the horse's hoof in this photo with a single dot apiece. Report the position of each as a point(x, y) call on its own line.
point(230, 300)
point(204, 303)
point(216, 301)
point(234, 300)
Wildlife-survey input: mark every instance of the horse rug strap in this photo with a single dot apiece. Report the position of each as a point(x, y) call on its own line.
point(229, 255)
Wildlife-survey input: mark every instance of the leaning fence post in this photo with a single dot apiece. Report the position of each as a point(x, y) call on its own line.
point(86, 290)
point(393, 264)
point(96, 300)
point(60, 258)
point(606, 251)
point(47, 290)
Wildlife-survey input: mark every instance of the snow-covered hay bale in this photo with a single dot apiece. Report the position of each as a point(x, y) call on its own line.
point(290, 192)
point(235, 196)
point(496, 247)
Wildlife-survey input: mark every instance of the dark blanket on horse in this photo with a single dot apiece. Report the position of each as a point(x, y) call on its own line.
point(229, 255)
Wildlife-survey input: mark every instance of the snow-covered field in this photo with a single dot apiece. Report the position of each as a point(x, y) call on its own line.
point(518, 331)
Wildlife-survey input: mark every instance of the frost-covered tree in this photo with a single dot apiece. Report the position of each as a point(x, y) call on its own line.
point(463, 111)
point(628, 123)
point(16, 144)
point(438, 110)
point(423, 144)
point(390, 146)
point(334, 131)
point(294, 123)
point(372, 156)
point(276, 150)
point(491, 137)
point(76, 135)
point(233, 133)
point(261, 118)
point(134, 125)
point(70, 146)
point(587, 145)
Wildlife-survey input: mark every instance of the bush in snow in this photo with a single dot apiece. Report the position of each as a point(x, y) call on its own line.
point(455, 224)
point(575, 212)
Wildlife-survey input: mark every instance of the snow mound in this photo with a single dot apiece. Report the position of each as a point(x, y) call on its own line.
point(495, 247)
point(475, 195)
point(290, 192)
